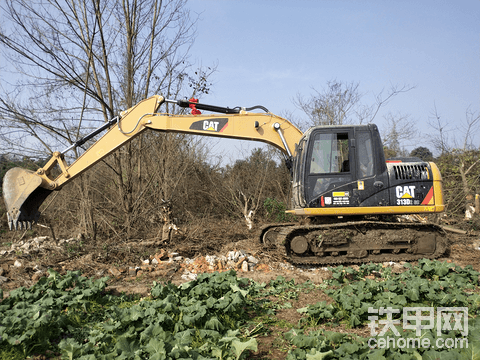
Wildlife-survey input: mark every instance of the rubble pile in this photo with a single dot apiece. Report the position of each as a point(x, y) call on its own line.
point(163, 265)
point(34, 246)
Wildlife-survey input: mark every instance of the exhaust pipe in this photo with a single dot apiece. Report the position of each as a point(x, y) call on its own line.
point(23, 196)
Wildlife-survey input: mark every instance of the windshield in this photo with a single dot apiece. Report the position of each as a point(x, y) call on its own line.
point(330, 154)
point(329, 164)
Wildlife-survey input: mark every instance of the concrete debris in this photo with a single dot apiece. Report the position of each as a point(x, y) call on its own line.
point(469, 212)
point(286, 266)
point(132, 271)
point(40, 244)
point(114, 272)
point(475, 245)
point(189, 276)
point(162, 265)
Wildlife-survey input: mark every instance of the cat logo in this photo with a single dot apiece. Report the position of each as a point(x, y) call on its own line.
point(210, 125)
point(217, 125)
point(405, 192)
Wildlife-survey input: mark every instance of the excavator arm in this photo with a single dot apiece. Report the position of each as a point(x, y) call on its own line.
point(24, 190)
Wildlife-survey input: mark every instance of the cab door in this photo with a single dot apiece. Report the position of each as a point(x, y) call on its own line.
point(330, 165)
point(371, 172)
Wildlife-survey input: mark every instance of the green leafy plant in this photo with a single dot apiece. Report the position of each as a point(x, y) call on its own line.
point(431, 283)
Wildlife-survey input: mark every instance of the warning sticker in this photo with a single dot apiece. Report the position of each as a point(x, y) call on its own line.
point(341, 198)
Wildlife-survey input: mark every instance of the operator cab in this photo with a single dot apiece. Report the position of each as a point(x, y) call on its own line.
point(340, 166)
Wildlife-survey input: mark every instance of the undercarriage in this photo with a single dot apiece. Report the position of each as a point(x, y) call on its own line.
point(355, 242)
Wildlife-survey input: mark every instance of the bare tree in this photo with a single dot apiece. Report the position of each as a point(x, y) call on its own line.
point(333, 105)
point(83, 61)
point(459, 159)
point(440, 137)
point(340, 103)
point(396, 131)
point(247, 184)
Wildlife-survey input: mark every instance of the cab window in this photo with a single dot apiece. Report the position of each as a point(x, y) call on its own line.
point(330, 154)
point(365, 154)
point(329, 163)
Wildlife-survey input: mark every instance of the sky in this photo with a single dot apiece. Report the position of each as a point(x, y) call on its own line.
point(269, 51)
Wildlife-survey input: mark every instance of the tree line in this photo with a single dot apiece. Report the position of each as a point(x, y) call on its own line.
point(83, 62)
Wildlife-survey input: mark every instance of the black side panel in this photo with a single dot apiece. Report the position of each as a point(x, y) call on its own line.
point(411, 183)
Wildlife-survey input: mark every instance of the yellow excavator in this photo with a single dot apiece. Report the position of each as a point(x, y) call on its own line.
point(341, 182)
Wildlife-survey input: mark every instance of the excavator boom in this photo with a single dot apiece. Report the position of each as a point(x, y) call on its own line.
point(25, 190)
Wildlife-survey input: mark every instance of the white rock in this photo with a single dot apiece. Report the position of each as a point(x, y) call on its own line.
point(3, 279)
point(154, 261)
point(3, 252)
point(252, 260)
point(211, 259)
point(232, 256)
point(189, 276)
point(242, 253)
point(41, 239)
point(17, 263)
point(178, 258)
point(388, 263)
point(245, 266)
point(146, 262)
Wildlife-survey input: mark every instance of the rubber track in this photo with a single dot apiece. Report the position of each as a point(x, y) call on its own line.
point(287, 229)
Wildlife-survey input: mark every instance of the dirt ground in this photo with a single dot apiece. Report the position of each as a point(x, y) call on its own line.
point(26, 256)
point(124, 261)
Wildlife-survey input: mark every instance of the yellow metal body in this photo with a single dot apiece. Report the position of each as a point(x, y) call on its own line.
point(143, 116)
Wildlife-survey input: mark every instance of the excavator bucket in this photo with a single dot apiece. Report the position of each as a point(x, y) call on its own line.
point(23, 196)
